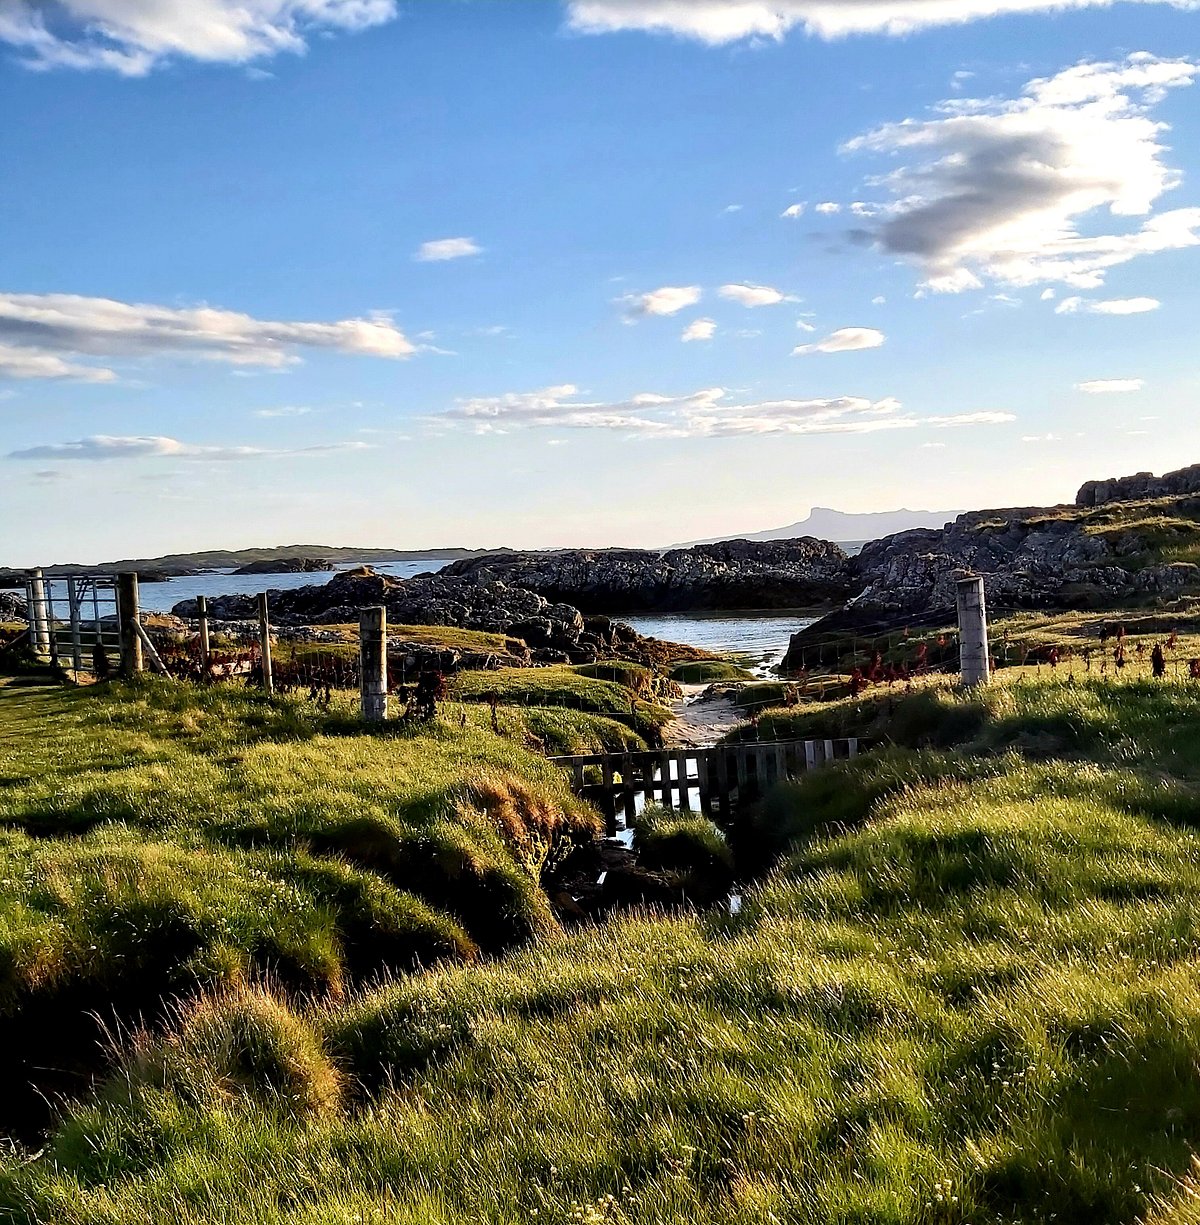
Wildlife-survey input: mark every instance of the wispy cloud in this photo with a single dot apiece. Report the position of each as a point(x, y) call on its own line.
point(753, 295)
point(108, 446)
point(669, 300)
point(1000, 187)
point(287, 410)
point(828, 207)
point(717, 22)
point(709, 413)
point(794, 210)
point(40, 332)
point(1113, 306)
point(132, 38)
point(699, 329)
point(1105, 387)
point(438, 250)
point(844, 340)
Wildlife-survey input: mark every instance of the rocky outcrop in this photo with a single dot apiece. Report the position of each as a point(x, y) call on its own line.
point(1139, 487)
point(541, 630)
point(1035, 558)
point(12, 607)
point(287, 565)
point(729, 575)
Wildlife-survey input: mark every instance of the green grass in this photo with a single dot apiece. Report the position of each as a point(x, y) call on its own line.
point(708, 671)
point(980, 1006)
point(966, 993)
point(563, 686)
point(157, 838)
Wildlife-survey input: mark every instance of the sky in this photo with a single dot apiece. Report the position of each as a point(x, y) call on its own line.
point(420, 273)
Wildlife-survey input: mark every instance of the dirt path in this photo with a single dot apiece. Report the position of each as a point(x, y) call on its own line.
point(699, 720)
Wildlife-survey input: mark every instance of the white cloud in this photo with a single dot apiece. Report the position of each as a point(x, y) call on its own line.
point(700, 329)
point(805, 326)
point(879, 300)
point(108, 446)
point(441, 249)
point(1048, 295)
point(794, 210)
point(38, 331)
point(1113, 306)
point(844, 340)
point(669, 300)
point(287, 410)
point(709, 413)
point(131, 37)
point(828, 207)
point(752, 295)
point(1103, 387)
point(732, 208)
point(20, 363)
point(1016, 191)
point(725, 21)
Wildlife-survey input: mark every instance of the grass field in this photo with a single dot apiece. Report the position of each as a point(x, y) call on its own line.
point(964, 990)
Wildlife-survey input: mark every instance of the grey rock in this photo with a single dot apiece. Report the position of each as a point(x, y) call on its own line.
point(12, 607)
point(727, 575)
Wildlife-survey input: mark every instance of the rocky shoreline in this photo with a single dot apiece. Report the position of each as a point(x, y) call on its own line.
point(536, 629)
point(732, 574)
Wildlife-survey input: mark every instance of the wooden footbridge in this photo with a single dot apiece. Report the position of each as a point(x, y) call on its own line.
point(715, 781)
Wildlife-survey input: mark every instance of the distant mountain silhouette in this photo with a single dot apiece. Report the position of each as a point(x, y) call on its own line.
point(838, 525)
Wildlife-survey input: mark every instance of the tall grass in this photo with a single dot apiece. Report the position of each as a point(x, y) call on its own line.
point(968, 992)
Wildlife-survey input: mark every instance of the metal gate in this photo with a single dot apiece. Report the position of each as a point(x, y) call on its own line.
point(74, 621)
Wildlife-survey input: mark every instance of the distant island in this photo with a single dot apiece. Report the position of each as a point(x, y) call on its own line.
point(176, 565)
point(843, 527)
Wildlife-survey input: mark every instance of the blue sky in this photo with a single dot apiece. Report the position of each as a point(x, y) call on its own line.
point(418, 274)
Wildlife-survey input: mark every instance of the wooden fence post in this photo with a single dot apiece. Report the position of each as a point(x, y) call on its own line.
point(974, 664)
point(205, 645)
point(264, 642)
point(128, 612)
point(372, 664)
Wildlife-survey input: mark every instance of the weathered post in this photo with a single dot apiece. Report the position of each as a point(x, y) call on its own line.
point(372, 664)
point(128, 612)
point(76, 634)
point(205, 644)
point(974, 663)
point(264, 641)
point(39, 630)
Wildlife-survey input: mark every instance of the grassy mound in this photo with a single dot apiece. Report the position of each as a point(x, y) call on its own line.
point(706, 671)
point(563, 687)
point(157, 839)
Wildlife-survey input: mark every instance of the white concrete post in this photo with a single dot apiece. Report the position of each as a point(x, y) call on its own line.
point(205, 642)
point(372, 664)
point(264, 642)
point(974, 661)
point(39, 627)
